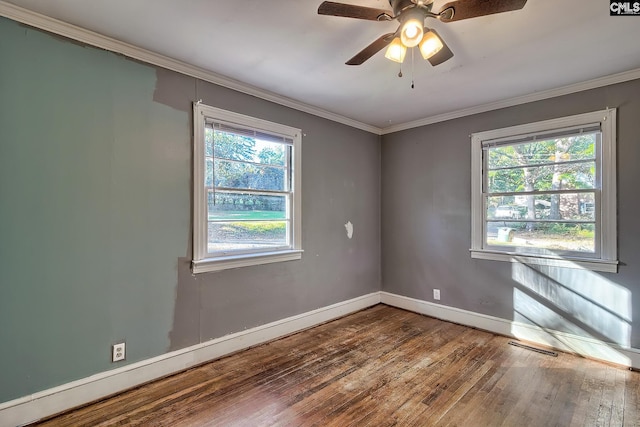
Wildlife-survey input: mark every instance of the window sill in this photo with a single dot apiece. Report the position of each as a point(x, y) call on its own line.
point(579, 263)
point(237, 261)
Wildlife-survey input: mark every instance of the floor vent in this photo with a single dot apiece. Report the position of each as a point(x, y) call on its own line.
point(537, 350)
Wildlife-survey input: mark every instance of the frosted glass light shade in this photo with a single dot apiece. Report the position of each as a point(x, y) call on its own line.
point(411, 32)
point(430, 45)
point(396, 51)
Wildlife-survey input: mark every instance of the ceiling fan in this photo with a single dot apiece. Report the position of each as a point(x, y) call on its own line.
point(411, 14)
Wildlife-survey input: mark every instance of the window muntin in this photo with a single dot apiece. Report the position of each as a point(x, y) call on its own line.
point(246, 197)
point(546, 190)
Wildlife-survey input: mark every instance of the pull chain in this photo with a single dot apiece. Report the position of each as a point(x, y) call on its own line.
point(412, 85)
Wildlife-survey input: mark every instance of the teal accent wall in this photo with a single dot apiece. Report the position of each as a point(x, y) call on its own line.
point(94, 210)
point(95, 215)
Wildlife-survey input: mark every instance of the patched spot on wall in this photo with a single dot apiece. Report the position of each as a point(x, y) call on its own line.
point(349, 227)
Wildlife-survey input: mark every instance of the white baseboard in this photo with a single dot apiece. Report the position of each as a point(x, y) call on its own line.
point(34, 407)
point(584, 346)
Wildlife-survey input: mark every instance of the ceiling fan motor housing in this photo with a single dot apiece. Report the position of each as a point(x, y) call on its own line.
point(400, 6)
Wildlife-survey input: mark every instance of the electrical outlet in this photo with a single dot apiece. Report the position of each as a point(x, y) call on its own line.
point(436, 294)
point(117, 352)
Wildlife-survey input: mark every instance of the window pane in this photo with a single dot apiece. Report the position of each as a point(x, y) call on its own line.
point(551, 236)
point(238, 236)
point(561, 176)
point(246, 207)
point(270, 153)
point(231, 146)
point(565, 206)
point(548, 151)
point(249, 176)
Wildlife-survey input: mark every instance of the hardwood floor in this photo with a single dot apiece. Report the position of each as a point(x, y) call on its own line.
point(380, 367)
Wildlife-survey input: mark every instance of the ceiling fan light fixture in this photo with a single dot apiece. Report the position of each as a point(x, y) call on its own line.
point(430, 44)
point(412, 27)
point(396, 51)
point(412, 14)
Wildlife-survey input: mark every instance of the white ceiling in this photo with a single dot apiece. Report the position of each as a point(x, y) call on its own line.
point(286, 48)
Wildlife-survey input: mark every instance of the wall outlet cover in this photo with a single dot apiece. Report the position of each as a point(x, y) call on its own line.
point(117, 352)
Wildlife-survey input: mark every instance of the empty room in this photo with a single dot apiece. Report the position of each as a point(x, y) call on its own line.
point(316, 213)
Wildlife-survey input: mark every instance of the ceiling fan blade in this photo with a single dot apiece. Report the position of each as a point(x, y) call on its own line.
point(465, 9)
point(366, 53)
point(353, 11)
point(443, 55)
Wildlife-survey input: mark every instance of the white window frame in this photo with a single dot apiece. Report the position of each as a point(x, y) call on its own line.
point(607, 261)
point(202, 260)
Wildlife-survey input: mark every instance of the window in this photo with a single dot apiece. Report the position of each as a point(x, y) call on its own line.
point(545, 193)
point(246, 191)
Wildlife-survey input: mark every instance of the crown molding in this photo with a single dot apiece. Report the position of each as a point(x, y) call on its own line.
point(92, 38)
point(518, 100)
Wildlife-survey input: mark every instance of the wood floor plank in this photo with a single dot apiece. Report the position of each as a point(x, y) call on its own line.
point(379, 367)
point(631, 400)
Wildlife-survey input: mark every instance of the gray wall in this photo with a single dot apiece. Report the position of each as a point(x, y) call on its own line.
point(426, 226)
point(95, 215)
